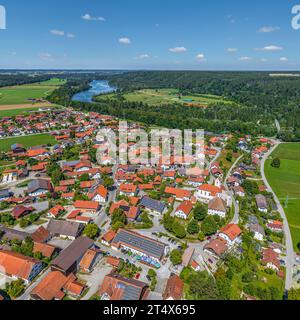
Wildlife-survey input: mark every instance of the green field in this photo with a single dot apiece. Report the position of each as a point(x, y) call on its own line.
point(27, 141)
point(285, 182)
point(167, 96)
point(24, 111)
point(21, 94)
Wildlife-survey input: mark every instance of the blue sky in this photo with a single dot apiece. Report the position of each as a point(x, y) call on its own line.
point(144, 34)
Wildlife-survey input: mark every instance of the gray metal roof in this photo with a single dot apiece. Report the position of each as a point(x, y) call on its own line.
point(143, 244)
point(73, 253)
point(65, 228)
point(152, 204)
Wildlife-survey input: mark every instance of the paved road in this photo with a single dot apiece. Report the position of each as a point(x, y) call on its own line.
point(290, 255)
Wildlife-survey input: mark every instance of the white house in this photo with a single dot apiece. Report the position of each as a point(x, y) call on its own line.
point(184, 209)
point(217, 206)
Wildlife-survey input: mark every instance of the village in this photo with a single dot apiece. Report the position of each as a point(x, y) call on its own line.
point(75, 229)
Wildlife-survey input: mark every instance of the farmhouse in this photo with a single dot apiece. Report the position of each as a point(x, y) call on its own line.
point(64, 229)
point(69, 259)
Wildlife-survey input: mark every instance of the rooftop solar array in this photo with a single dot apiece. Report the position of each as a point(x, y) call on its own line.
point(148, 246)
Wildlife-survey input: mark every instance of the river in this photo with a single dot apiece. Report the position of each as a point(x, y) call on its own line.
point(97, 87)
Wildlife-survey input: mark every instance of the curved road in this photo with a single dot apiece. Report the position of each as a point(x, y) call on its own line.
point(290, 255)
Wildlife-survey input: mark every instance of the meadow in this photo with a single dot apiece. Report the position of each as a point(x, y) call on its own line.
point(18, 95)
point(27, 141)
point(168, 96)
point(285, 182)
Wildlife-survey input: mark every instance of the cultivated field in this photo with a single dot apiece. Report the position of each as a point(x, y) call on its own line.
point(168, 96)
point(27, 141)
point(285, 182)
point(25, 94)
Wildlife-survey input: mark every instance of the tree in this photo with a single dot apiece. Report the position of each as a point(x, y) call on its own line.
point(176, 257)
point(209, 226)
point(193, 227)
point(203, 287)
point(15, 288)
point(276, 163)
point(200, 212)
point(118, 216)
point(294, 294)
point(85, 177)
point(179, 230)
point(91, 231)
point(201, 236)
point(108, 182)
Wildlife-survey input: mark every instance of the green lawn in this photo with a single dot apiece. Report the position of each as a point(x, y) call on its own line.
point(167, 96)
point(21, 94)
point(285, 182)
point(23, 111)
point(27, 141)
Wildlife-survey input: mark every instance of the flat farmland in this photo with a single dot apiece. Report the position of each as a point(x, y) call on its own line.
point(27, 141)
point(285, 182)
point(26, 94)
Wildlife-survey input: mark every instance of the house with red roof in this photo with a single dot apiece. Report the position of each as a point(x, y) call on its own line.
point(180, 194)
point(207, 192)
point(87, 206)
point(231, 234)
point(21, 211)
point(56, 211)
point(184, 210)
point(128, 189)
point(99, 195)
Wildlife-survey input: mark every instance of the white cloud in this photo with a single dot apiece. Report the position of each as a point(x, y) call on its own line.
point(231, 50)
point(284, 59)
point(59, 33)
point(71, 35)
point(263, 60)
point(200, 57)
point(245, 58)
point(270, 48)
point(124, 40)
point(268, 29)
point(88, 17)
point(178, 49)
point(46, 56)
point(143, 56)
